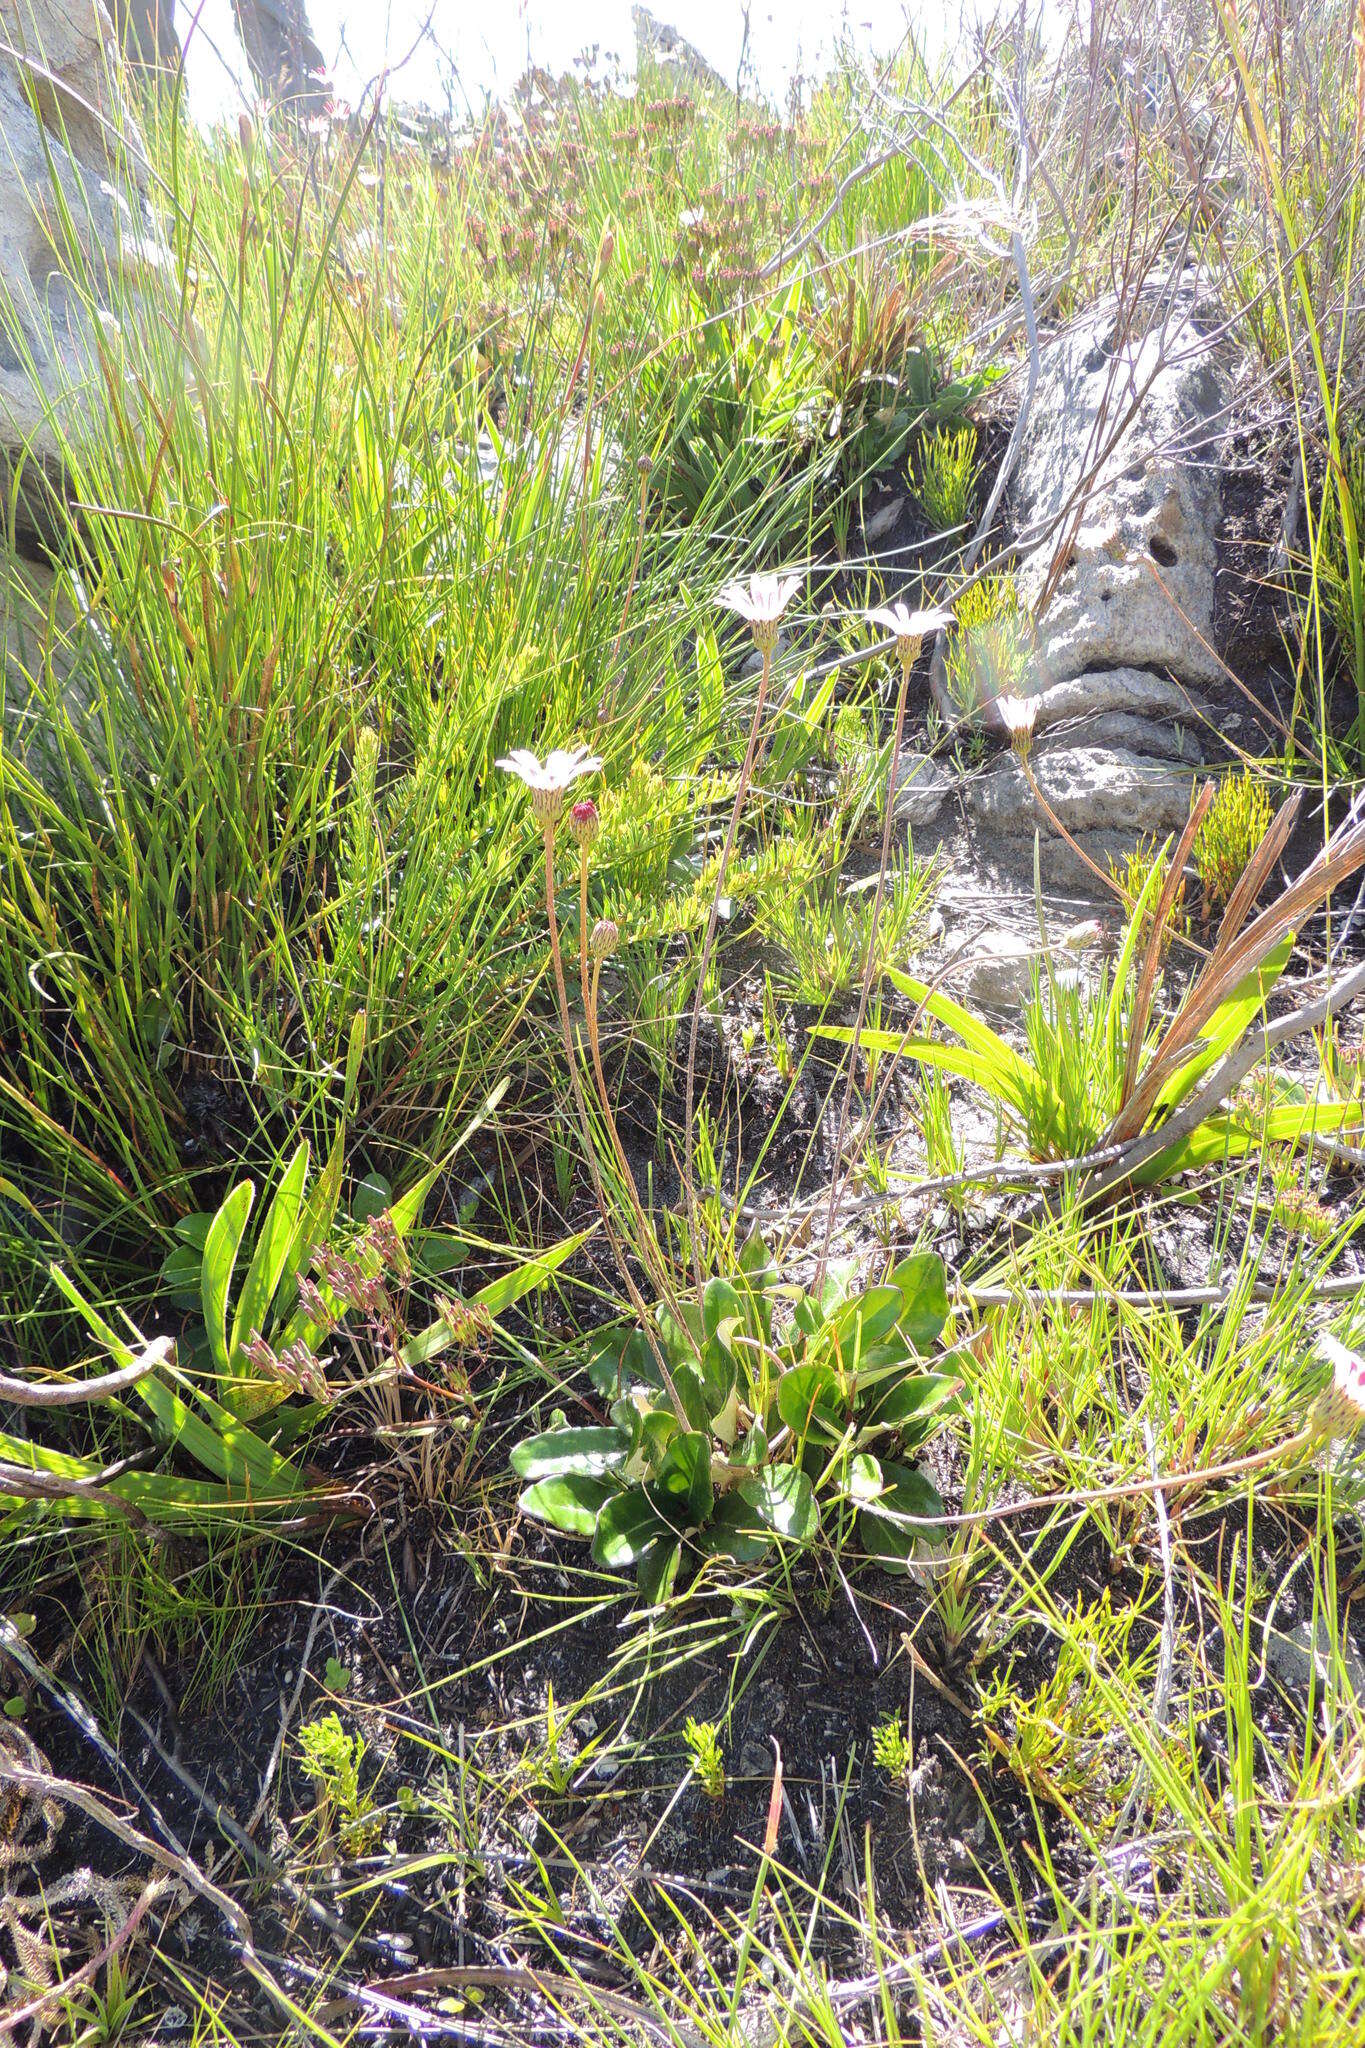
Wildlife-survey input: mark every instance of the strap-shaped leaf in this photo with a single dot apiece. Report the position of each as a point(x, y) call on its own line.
point(274, 1241)
point(220, 1257)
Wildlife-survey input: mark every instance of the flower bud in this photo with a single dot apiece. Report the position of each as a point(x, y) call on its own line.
point(583, 822)
point(606, 251)
point(603, 939)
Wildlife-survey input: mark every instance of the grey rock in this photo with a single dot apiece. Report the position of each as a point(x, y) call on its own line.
point(1124, 729)
point(994, 970)
point(1146, 412)
point(1296, 1657)
point(920, 790)
point(63, 120)
point(1090, 789)
point(1157, 698)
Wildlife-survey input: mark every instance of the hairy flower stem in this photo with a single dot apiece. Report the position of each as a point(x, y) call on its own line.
point(649, 1246)
point(708, 945)
point(869, 971)
point(585, 1125)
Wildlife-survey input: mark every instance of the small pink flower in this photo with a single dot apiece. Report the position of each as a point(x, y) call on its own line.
point(603, 939)
point(583, 822)
point(1339, 1410)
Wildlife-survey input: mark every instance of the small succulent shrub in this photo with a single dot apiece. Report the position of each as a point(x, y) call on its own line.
point(641, 852)
point(702, 1743)
point(1131, 875)
point(1238, 820)
point(727, 1439)
point(990, 653)
point(945, 477)
point(1058, 1738)
point(332, 1759)
point(891, 1751)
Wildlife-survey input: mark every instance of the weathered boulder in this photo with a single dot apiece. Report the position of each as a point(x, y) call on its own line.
point(1116, 512)
point(1121, 466)
point(67, 146)
point(76, 242)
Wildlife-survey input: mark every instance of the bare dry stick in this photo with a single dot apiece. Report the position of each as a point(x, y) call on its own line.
point(71, 1393)
point(17, 2016)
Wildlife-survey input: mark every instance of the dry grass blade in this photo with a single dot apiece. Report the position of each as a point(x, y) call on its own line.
point(1257, 871)
point(1236, 957)
point(1146, 989)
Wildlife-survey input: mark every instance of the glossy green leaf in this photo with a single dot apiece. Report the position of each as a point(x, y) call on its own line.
point(682, 1489)
point(922, 1280)
point(220, 1258)
point(658, 1569)
point(882, 1530)
point(273, 1241)
point(590, 1453)
point(626, 1527)
point(568, 1502)
point(808, 1400)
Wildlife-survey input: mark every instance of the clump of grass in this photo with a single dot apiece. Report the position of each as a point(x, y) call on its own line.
point(1237, 821)
point(945, 476)
point(990, 654)
point(826, 928)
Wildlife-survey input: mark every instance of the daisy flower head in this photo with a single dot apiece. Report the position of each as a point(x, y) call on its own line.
point(910, 628)
point(761, 602)
point(1339, 1410)
point(547, 780)
point(1018, 715)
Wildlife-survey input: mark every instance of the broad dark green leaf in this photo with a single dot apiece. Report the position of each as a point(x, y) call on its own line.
point(915, 1399)
point(883, 1535)
point(682, 1488)
point(568, 1502)
point(923, 1283)
point(808, 1401)
point(588, 1452)
point(658, 1568)
point(626, 1527)
point(865, 1319)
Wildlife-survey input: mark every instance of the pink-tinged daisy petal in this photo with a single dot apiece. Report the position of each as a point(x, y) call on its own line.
point(547, 780)
point(904, 624)
point(1339, 1410)
point(1017, 715)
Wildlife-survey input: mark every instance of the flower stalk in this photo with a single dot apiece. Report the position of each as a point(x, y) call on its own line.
point(762, 603)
